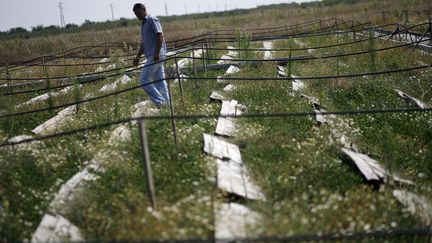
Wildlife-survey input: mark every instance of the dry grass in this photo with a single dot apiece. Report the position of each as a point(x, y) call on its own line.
point(23, 49)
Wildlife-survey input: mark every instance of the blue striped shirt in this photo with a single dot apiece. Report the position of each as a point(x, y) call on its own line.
point(150, 26)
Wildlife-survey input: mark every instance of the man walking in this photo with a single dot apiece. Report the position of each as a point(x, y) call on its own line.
point(154, 48)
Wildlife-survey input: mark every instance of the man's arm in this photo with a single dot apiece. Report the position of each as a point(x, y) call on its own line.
point(160, 38)
point(139, 54)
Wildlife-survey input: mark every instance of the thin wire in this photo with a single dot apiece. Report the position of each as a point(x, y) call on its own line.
point(280, 60)
point(306, 58)
point(117, 45)
point(301, 35)
point(313, 47)
point(205, 78)
point(59, 57)
point(214, 48)
point(120, 45)
point(213, 116)
point(345, 236)
point(233, 49)
point(295, 58)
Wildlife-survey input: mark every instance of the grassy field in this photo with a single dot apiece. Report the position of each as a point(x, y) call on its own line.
point(310, 186)
point(15, 50)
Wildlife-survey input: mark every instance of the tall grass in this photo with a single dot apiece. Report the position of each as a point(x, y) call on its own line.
point(243, 42)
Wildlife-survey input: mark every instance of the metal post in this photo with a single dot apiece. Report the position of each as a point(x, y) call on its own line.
point(194, 68)
point(354, 31)
point(203, 60)
point(207, 49)
point(178, 75)
point(430, 28)
point(8, 77)
point(398, 33)
point(289, 59)
point(45, 71)
point(148, 173)
point(336, 28)
point(173, 122)
point(48, 84)
point(406, 16)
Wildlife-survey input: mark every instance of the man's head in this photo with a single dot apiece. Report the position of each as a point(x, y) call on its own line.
point(140, 11)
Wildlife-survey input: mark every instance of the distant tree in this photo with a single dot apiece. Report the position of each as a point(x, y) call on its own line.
point(123, 22)
point(333, 2)
point(71, 26)
point(87, 22)
point(37, 28)
point(17, 31)
point(52, 27)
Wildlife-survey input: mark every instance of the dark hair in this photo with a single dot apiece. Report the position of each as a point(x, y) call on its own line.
point(138, 6)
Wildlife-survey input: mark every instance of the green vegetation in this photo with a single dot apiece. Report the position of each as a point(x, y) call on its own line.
point(20, 44)
point(88, 25)
point(310, 186)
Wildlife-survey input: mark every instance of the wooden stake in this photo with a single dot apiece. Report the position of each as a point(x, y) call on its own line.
point(148, 173)
point(203, 60)
point(8, 77)
point(207, 49)
point(194, 68)
point(48, 85)
point(354, 31)
point(173, 122)
point(430, 28)
point(406, 16)
point(178, 76)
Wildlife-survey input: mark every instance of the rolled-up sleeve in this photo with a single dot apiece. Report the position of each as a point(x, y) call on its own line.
point(156, 25)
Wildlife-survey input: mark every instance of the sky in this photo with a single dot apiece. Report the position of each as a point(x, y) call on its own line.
point(31, 13)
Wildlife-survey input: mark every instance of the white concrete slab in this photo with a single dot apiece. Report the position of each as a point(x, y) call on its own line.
point(56, 229)
point(225, 126)
point(186, 61)
point(121, 134)
point(224, 59)
point(314, 102)
point(220, 79)
point(232, 221)
point(25, 145)
point(232, 53)
point(221, 149)
point(182, 77)
point(46, 96)
point(417, 205)
point(372, 169)
point(215, 95)
point(75, 185)
point(229, 88)
point(232, 70)
point(268, 45)
point(297, 84)
point(281, 71)
point(145, 108)
point(112, 86)
point(54, 123)
point(233, 178)
point(405, 96)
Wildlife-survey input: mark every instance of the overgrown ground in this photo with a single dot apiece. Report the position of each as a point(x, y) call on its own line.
point(310, 186)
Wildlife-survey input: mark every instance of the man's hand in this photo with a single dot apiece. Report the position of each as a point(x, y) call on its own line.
point(136, 61)
point(156, 57)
